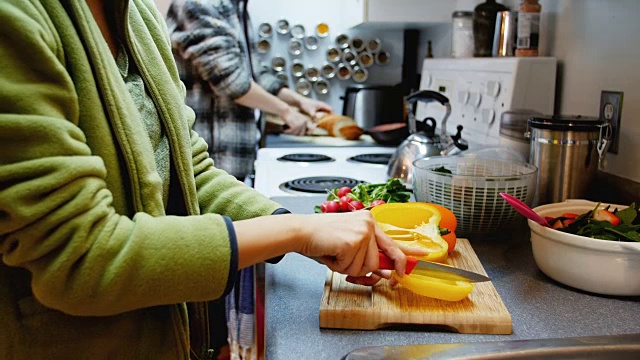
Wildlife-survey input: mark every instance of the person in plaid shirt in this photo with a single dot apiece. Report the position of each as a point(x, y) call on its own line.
point(211, 45)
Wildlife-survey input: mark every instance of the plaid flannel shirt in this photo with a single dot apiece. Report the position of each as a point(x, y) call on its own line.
point(213, 57)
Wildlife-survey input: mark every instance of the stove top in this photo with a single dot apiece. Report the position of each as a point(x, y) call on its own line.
point(296, 171)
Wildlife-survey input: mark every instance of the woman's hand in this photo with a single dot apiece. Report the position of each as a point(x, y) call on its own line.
point(296, 123)
point(375, 276)
point(311, 106)
point(349, 243)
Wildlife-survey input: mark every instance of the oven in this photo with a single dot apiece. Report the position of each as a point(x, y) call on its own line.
point(308, 171)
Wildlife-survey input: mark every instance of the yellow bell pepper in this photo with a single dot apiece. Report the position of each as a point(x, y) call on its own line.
point(417, 224)
point(413, 224)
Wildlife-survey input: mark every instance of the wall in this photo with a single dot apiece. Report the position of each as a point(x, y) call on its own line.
point(339, 15)
point(596, 43)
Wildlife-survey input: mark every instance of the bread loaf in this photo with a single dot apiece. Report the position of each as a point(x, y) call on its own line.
point(340, 126)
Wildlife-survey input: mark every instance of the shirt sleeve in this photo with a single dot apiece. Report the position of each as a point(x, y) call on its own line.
point(204, 35)
point(270, 83)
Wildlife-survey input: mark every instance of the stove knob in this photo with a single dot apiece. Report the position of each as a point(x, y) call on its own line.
point(463, 97)
point(493, 88)
point(426, 79)
point(488, 116)
point(475, 99)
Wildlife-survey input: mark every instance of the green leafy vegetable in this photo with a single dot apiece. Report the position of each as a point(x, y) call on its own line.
point(585, 225)
point(442, 170)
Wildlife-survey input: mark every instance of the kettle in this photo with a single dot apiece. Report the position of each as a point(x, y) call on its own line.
point(424, 143)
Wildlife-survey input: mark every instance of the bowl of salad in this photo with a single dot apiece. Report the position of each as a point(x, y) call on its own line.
point(590, 246)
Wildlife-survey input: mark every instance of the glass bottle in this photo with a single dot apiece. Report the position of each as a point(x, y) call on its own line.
point(484, 23)
point(528, 28)
point(462, 34)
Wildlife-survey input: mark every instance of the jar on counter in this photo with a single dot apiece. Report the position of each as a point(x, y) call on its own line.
point(484, 26)
point(528, 28)
point(462, 34)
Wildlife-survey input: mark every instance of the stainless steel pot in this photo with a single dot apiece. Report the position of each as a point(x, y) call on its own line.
point(567, 150)
point(373, 105)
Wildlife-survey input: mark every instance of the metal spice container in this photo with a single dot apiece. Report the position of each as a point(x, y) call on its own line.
point(334, 54)
point(322, 30)
point(343, 72)
point(303, 86)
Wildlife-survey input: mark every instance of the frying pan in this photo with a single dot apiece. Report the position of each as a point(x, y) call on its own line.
point(389, 134)
point(395, 133)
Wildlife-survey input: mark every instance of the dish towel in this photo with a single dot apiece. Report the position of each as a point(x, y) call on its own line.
point(240, 317)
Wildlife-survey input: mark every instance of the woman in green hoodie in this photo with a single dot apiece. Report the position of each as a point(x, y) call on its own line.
point(115, 226)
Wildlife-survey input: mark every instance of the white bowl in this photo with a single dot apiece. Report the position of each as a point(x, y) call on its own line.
point(599, 266)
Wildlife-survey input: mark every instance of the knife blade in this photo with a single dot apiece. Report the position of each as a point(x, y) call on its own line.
point(438, 270)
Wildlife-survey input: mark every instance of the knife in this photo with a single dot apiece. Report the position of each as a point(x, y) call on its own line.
point(438, 270)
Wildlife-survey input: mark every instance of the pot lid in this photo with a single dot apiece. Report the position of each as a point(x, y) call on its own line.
point(513, 123)
point(566, 123)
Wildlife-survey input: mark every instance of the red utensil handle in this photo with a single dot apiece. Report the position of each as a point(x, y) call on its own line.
point(387, 264)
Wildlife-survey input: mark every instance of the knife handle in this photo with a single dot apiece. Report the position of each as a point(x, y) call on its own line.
point(387, 264)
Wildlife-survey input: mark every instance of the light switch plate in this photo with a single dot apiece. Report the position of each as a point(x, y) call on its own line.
point(611, 111)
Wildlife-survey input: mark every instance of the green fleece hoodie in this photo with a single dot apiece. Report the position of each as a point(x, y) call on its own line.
point(93, 266)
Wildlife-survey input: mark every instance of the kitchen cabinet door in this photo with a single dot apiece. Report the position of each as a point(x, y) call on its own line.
point(400, 13)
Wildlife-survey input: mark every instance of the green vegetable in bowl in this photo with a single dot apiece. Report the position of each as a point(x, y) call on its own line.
point(442, 170)
point(604, 224)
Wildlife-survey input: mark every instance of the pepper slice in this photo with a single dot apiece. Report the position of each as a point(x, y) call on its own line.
point(418, 223)
point(423, 282)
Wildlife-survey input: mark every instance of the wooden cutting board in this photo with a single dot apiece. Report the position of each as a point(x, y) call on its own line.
point(348, 306)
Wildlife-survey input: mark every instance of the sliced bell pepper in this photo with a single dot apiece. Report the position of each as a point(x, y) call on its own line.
point(415, 224)
point(427, 283)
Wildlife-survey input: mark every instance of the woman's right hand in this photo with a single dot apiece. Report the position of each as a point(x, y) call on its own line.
point(349, 243)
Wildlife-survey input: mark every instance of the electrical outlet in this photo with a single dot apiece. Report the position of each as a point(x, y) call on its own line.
point(611, 111)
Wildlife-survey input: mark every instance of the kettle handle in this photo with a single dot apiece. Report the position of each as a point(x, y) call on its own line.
point(427, 96)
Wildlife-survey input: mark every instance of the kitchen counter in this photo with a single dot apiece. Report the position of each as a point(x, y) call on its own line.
point(285, 140)
point(540, 307)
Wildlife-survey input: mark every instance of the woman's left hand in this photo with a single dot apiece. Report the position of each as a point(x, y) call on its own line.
point(312, 106)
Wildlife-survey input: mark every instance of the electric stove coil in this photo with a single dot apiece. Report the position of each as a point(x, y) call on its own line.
point(319, 184)
point(306, 157)
point(380, 159)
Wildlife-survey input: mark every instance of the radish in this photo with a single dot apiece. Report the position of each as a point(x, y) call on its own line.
point(330, 207)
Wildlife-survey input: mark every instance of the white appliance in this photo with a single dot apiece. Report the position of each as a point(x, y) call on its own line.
point(482, 89)
point(274, 173)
